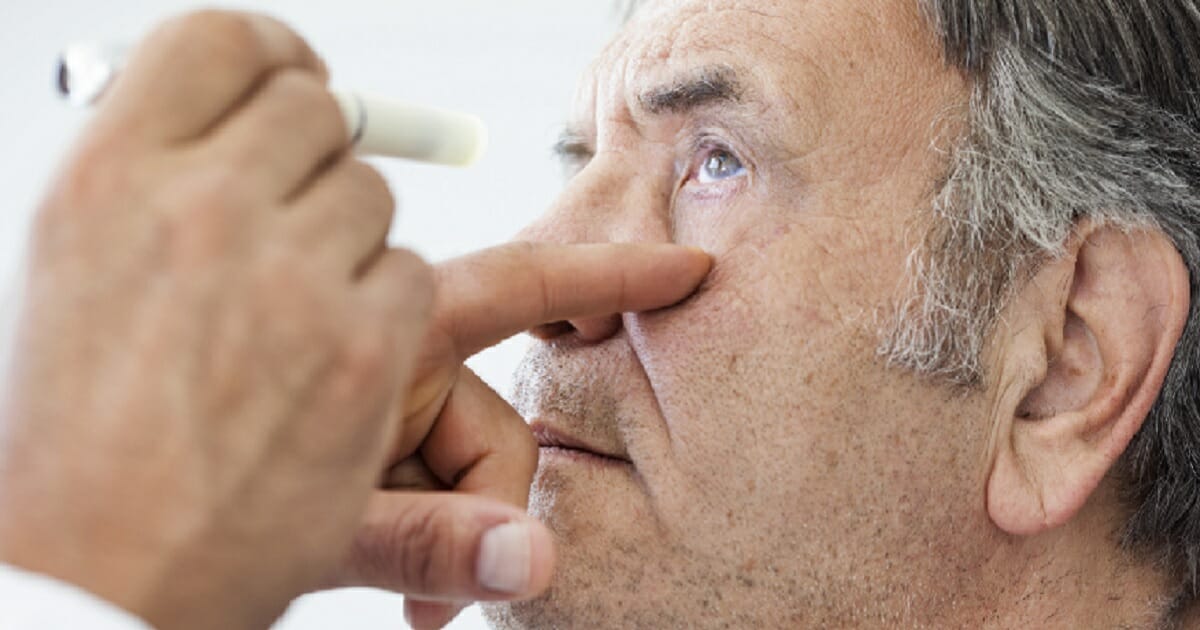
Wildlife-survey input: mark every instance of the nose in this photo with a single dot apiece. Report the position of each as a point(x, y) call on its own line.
point(610, 201)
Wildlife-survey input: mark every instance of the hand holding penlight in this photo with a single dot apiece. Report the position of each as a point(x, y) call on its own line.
point(377, 126)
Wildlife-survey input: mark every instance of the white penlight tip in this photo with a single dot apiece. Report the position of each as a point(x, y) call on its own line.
point(480, 142)
point(389, 127)
point(85, 69)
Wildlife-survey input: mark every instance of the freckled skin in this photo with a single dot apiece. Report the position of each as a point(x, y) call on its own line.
point(781, 477)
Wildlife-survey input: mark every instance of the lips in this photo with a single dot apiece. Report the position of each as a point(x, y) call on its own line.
point(552, 439)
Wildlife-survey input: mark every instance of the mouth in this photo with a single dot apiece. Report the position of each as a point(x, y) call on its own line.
point(555, 444)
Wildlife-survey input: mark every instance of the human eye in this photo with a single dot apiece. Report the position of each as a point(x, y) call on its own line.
point(715, 170)
point(717, 165)
point(574, 152)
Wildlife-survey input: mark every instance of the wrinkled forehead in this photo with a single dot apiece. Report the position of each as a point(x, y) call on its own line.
point(797, 51)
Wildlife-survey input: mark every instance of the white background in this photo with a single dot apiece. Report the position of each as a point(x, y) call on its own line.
point(514, 63)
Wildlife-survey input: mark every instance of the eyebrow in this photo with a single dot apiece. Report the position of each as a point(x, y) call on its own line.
point(712, 85)
point(709, 86)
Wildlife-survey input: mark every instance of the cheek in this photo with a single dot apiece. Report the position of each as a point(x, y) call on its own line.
point(782, 292)
point(805, 252)
point(753, 373)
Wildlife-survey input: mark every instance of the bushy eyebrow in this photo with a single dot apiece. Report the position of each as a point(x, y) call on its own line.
point(701, 88)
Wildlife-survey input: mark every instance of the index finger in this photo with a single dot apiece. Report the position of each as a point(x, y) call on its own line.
point(194, 69)
point(486, 297)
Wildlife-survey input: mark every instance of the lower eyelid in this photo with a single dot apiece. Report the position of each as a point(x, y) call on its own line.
point(715, 190)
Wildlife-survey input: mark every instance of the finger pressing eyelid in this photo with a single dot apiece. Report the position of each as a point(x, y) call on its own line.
point(487, 297)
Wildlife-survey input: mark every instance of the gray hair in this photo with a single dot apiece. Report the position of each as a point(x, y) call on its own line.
point(1081, 109)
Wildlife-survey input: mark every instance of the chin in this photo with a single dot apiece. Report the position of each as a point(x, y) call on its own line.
point(619, 567)
point(611, 552)
point(602, 602)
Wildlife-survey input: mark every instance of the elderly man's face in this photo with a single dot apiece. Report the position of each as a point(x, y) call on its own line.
point(764, 466)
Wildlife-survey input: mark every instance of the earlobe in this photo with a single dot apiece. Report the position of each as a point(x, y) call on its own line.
point(1086, 346)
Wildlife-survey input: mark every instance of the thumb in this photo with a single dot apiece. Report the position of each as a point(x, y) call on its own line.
point(449, 547)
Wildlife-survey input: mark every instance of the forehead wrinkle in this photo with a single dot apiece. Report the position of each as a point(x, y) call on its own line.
point(692, 35)
point(657, 53)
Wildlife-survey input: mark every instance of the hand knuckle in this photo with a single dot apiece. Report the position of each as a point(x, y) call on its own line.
point(304, 92)
point(427, 550)
point(372, 187)
point(295, 101)
point(367, 193)
point(412, 300)
point(221, 37)
point(415, 274)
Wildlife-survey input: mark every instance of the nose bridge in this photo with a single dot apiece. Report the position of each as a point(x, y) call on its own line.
point(613, 199)
point(610, 200)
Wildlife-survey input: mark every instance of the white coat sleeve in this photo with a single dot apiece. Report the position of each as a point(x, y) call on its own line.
point(29, 601)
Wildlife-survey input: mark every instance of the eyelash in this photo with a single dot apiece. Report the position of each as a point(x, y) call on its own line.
point(702, 149)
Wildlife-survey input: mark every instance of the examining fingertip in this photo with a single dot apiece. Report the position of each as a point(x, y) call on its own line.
point(708, 258)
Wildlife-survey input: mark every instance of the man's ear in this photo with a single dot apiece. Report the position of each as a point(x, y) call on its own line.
point(1080, 358)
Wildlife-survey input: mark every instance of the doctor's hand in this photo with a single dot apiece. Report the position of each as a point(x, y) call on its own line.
point(474, 541)
point(213, 339)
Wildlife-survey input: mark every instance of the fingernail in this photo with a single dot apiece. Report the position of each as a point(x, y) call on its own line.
point(504, 557)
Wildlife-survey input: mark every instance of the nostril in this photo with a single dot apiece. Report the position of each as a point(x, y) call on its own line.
point(548, 332)
point(589, 330)
point(596, 329)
